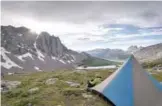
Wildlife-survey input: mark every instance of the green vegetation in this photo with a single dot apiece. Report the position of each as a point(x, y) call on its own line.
point(91, 61)
point(153, 63)
point(58, 94)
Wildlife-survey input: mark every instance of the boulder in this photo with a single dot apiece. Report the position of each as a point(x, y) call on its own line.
point(86, 95)
point(8, 85)
point(73, 84)
point(51, 81)
point(33, 90)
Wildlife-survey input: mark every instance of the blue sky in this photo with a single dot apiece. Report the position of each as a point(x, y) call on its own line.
point(85, 26)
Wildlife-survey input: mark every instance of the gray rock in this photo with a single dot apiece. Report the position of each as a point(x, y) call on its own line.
point(85, 95)
point(33, 90)
point(8, 85)
point(2, 59)
point(29, 104)
point(50, 45)
point(73, 84)
point(149, 53)
point(20, 41)
point(51, 81)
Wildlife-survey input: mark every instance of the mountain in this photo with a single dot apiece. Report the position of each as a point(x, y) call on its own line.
point(94, 61)
point(109, 54)
point(152, 53)
point(23, 50)
point(149, 53)
point(133, 48)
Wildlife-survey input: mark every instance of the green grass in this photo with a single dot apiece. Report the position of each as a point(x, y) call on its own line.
point(93, 61)
point(154, 63)
point(58, 94)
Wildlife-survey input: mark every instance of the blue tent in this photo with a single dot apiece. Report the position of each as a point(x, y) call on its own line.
point(131, 86)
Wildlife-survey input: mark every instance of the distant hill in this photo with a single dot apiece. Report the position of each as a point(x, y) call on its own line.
point(109, 54)
point(134, 48)
point(94, 61)
point(150, 55)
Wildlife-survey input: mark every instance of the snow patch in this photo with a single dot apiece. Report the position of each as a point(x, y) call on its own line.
point(69, 61)
point(37, 68)
point(54, 58)
point(18, 46)
point(25, 55)
point(8, 63)
point(73, 57)
point(62, 61)
point(40, 55)
point(4, 50)
point(72, 61)
point(20, 34)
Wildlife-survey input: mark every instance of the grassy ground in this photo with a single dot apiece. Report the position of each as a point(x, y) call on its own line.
point(58, 94)
point(93, 61)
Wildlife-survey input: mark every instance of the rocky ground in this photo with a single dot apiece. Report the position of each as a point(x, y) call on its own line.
point(61, 88)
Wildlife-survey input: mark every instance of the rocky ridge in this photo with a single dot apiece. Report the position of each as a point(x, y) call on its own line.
point(23, 50)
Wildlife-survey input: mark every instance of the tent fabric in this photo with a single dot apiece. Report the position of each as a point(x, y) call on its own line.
point(131, 86)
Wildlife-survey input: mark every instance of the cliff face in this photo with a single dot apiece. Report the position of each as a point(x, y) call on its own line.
point(110, 54)
point(143, 54)
point(149, 53)
point(23, 50)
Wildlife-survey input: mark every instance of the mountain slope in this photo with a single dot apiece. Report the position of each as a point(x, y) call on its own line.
point(93, 61)
point(23, 50)
point(58, 92)
point(143, 54)
point(110, 54)
point(149, 53)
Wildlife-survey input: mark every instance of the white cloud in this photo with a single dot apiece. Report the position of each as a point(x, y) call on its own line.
point(79, 24)
point(142, 34)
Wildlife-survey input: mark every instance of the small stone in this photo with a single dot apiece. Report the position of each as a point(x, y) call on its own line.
point(33, 90)
point(9, 73)
point(86, 95)
point(73, 84)
point(29, 104)
point(8, 85)
point(51, 81)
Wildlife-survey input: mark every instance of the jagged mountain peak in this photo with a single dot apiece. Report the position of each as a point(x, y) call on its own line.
point(134, 48)
point(25, 49)
point(149, 53)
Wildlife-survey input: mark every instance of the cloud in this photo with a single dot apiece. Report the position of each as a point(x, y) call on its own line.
point(94, 24)
point(83, 11)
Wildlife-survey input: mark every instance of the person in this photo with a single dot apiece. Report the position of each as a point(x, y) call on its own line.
point(93, 82)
